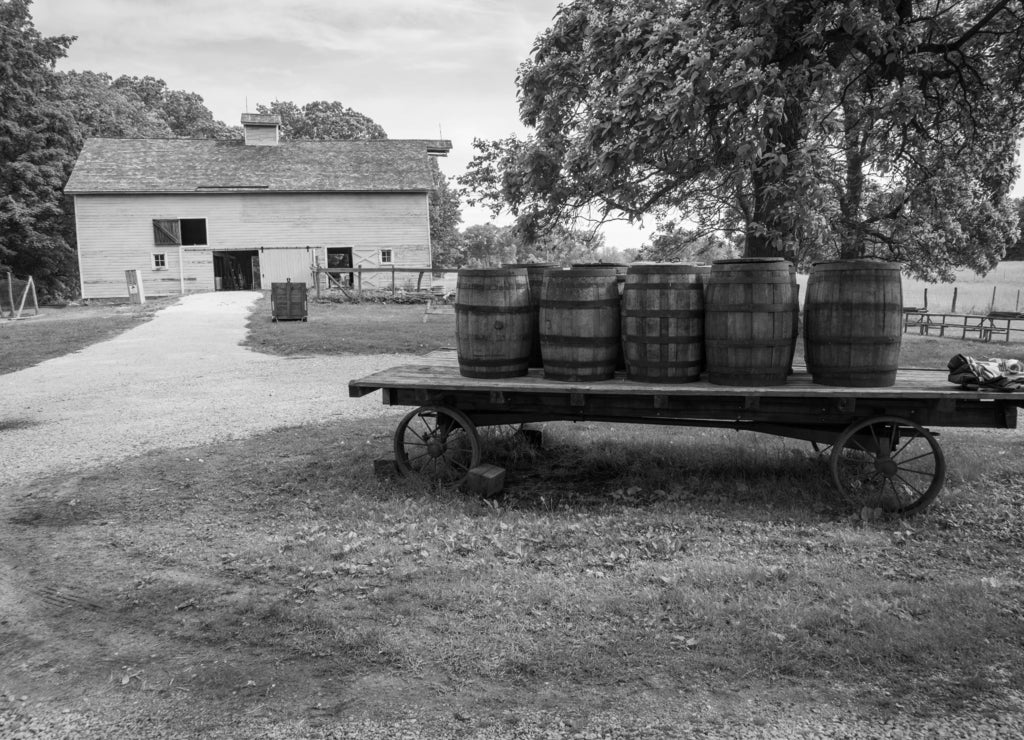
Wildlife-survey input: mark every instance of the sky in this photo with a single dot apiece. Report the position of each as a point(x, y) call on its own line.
point(422, 69)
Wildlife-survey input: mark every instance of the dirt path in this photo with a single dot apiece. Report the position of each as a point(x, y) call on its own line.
point(180, 379)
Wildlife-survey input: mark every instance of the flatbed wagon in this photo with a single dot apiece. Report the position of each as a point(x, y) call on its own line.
point(883, 453)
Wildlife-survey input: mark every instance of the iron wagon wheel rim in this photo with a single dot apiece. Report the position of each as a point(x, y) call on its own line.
point(438, 443)
point(888, 462)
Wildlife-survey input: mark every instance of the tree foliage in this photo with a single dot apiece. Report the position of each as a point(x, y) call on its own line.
point(672, 242)
point(35, 137)
point(445, 216)
point(818, 127)
point(489, 245)
point(322, 121)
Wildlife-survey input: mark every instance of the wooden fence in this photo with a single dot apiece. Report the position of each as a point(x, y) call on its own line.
point(1002, 325)
point(334, 275)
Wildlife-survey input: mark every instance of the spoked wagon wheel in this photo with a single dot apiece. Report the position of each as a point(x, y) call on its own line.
point(890, 463)
point(437, 442)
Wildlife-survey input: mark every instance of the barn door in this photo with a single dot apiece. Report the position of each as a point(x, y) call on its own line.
point(255, 264)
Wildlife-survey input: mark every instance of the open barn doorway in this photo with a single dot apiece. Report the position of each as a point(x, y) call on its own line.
point(340, 257)
point(237, 270)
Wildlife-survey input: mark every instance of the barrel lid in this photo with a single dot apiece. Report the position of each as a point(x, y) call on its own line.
point(656, 268)
point(749, 260)
point(868, 263)
point(617, 267)
point(590, 271)
point(492, 271)
point(528, 265)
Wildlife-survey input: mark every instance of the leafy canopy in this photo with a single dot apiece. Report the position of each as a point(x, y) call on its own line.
point(322, 121)
point(816, 128)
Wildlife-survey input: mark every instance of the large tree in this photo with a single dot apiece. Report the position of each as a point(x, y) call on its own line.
point(184, 113)
point(822, 127)
point(35, 137)
point(98, 108)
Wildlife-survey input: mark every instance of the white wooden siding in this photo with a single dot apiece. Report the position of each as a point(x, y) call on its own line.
point(115, 233)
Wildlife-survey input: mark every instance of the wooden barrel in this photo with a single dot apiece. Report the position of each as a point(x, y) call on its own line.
point(853, 322)
point(579, 324)
point(704, 272)
point(620, 280)
point(663, 323)
point(796, 316)
point(535, 271)
point(493, 327)
point(748, 321)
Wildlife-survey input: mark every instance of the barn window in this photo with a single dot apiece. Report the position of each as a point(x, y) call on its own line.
point(385, 257)
point(179, 231)
point(159, 261)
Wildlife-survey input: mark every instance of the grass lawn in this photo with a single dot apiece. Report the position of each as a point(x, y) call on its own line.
point(60, 331)
point(630, 579)
point(352, 328)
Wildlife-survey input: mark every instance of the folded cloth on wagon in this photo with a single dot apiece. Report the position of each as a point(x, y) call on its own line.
point(993, 374)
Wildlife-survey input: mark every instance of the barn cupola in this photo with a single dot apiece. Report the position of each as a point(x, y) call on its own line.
point(261, 129)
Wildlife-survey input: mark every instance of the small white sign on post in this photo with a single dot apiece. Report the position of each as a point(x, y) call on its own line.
point(136, 293)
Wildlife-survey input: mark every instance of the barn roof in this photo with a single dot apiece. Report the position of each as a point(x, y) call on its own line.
point(208, 165)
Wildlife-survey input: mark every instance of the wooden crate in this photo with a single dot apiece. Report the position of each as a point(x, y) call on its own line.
point(288, 301)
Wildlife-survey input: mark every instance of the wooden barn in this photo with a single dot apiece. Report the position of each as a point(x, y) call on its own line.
point(197, 215)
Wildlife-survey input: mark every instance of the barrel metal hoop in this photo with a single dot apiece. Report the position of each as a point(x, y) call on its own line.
point(603, 303)
point(476, 362)
point(859, 341)
point(463, 308)
point(563, 341)
point(664, 364)
point(747, 343)
point(682, 341)
point(750, 307)
point(628, 313)
point(694, 286)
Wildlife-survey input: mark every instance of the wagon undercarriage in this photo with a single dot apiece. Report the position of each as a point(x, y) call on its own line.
point(882, 452)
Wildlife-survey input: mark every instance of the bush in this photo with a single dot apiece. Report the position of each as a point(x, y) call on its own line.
point(400, 297)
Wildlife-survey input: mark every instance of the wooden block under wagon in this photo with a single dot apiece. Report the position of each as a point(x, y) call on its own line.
point(385, 467)
point(485, 480)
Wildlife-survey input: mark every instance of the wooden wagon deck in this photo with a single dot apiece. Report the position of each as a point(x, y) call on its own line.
point(882, 453)
point(925, 396)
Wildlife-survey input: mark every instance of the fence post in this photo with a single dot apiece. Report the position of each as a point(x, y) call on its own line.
point(992, 305)
point(316, 261)
point(359, 278)
point(392, 279)
point(926, 300)
point(952, 308)
point(10, 291)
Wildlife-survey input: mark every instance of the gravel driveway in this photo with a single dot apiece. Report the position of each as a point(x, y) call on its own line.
point(175, 381)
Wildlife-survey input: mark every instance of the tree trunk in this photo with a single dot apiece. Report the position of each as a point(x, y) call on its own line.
point(851, 199)
point(773, 233)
